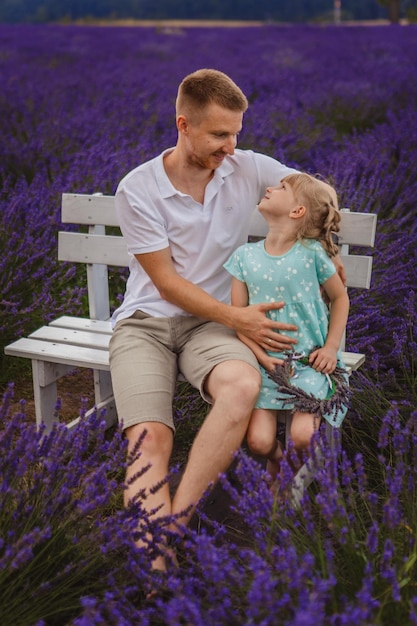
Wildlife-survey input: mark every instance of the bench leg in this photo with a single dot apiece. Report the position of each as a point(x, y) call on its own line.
point(102, 385)
point(45, 393)
point(306, 473)
point(103, 391)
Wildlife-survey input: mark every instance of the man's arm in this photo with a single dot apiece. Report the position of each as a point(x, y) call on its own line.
point(251, 321)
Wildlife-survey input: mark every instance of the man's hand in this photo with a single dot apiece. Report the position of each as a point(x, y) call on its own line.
point(253, 322)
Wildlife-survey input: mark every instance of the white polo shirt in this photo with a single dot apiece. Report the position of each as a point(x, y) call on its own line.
point(154, 215)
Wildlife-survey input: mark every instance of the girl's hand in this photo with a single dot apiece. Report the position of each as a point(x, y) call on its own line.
point(323, 360)
point(269, 362)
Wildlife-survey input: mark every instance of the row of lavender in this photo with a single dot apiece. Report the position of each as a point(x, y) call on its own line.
point(79, 108)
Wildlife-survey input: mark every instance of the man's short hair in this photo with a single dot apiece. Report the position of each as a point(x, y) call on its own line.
point(207, 86)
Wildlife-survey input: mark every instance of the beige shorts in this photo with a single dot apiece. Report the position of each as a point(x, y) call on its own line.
point(146, 354)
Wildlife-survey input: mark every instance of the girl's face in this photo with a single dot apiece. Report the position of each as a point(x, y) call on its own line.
point(279, 200)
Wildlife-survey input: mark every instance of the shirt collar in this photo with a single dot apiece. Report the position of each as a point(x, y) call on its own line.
point(168, 190)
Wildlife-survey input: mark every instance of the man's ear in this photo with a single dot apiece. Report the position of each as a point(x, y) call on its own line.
point(182, 124)
point(298, 211)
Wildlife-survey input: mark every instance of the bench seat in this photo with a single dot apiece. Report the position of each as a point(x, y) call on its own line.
point(81, 342)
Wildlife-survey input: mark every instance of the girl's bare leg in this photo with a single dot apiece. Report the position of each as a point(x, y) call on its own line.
point(273, 463)
point(303, 428)
point(262, 439)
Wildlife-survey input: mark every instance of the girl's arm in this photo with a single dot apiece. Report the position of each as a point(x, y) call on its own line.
point(240, 298)
point(325, 359)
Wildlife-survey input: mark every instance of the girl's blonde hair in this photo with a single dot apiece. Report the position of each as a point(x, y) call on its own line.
point(322, 216)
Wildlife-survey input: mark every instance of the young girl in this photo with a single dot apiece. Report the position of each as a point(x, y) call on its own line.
point(292, 265)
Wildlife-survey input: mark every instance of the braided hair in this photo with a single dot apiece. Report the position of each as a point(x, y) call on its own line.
point(322, 216)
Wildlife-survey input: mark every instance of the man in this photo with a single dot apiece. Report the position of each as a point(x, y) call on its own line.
point(182, 215)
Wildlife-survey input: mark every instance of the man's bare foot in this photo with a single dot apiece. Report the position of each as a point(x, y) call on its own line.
point(159, 564)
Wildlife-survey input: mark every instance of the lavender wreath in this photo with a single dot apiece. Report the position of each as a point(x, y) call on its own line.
point(336, 399)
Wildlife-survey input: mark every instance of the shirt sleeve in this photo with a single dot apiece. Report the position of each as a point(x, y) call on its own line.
point(324, 265)
point(234, 265)
point(142, 226)
point(270, 171)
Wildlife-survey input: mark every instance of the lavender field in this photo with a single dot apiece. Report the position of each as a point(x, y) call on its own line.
point(80, 106)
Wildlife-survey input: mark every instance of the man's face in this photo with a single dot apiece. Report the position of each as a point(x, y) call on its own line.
point(212, 138)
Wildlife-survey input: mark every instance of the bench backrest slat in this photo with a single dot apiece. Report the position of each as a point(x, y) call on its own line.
point(87, 248)
point(111, 250)
point(99, 250)
point(358, 270)
point(78, 208)
point(356, 228)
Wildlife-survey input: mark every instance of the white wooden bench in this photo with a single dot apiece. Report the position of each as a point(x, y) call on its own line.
point(73, 342)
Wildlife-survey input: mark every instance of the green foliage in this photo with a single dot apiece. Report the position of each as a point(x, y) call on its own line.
point(285, 10)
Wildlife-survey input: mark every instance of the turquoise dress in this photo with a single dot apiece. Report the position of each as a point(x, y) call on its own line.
point(294, 278)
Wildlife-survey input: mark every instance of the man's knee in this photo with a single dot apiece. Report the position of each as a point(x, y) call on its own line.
point(150, 439)
point(237, 380)
point(246, 386)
